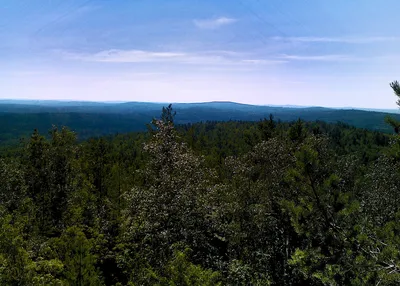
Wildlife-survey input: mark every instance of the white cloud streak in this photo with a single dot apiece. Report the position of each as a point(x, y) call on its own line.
point(128, 56)
point(205, 58)
point(320, 58)
point(200, 58)
point(214, 23)
point(343, 40)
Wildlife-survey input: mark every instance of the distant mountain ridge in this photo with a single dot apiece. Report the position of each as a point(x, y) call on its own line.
point(20, 118)
point(5, 103)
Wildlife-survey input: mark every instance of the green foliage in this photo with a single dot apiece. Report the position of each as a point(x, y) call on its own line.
point(16, 265)
point(75, 251)
point(180, 271)
point(167, 207)
point(213, 203)
point(267, 127)
point(94, 120)
point(389, 119)
point(297, 132)
point(396, 89)
point(167, 115)
point(13, 189)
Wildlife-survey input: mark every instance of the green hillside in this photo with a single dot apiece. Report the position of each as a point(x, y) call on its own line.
point(95, 119)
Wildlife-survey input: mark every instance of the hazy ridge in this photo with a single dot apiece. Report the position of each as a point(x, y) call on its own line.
point(89, 119)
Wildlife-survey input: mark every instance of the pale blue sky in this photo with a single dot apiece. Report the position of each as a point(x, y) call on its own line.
point(305, 52)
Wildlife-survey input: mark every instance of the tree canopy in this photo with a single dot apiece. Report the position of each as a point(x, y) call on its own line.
point(211, 203)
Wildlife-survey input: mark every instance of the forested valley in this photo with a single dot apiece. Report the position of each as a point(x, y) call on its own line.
point(212, 203)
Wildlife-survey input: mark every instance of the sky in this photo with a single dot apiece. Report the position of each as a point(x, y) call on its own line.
point(341, 53)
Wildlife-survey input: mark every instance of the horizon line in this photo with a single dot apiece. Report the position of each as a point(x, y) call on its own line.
point(198, 102)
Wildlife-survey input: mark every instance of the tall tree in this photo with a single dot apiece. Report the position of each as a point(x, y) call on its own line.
point(166, 208)
point(390, 120)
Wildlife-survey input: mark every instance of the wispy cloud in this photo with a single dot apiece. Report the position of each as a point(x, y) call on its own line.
point(197, 58)
point(204, 58)
point(263, 61)
point(322, 58)
point(344, 40)
point(127, 56)
point(214, 23)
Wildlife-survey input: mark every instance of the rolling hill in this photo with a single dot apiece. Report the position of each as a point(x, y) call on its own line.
point(88, 119)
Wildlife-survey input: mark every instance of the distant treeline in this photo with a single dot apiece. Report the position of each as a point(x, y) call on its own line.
point(90, 120)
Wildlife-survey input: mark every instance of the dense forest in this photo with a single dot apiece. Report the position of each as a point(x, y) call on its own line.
point(213, 203)
point(93, 119)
